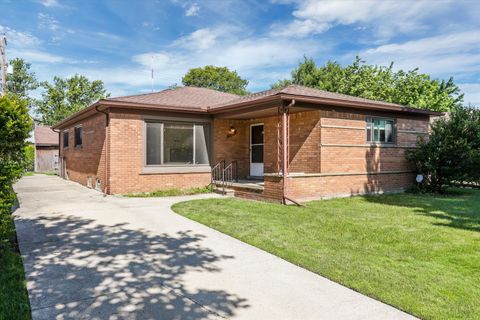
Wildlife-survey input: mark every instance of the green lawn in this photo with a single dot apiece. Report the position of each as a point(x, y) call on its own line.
point(419, 253)
point(169, 193)
point(13, 293)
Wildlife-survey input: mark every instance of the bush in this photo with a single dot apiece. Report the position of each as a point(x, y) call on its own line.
point(29, 158)
point(15, 126)
point(451, 154)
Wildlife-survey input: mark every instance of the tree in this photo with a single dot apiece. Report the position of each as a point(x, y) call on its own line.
point(451, 154)
point(217, 78)
point(22, 80)
point(374, 82)
point(64, 97)
point(15, 127)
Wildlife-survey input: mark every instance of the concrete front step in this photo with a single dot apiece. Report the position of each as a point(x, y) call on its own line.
point(226, 192)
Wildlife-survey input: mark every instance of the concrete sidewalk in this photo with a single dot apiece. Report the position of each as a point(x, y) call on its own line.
point(88, 256)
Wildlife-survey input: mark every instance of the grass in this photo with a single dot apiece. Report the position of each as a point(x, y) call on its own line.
point(169, 193)
point(31, 173)
point(419, 253)
point(14, 303)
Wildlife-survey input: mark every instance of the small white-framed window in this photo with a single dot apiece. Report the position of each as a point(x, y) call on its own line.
point(78, 136)
point(177, 143)
point(380, 130)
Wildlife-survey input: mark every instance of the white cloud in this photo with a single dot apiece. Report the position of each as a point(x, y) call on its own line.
point(261, 60)
point(200, 39)
point(46, 21)
point(443, 55)
point(385, 17)
point(33, 55)
point(27, 46)
point(472, 93)
point(152, 59)
point(19, 39)
point(50, 3)
point(299, 28)
point(192, 10)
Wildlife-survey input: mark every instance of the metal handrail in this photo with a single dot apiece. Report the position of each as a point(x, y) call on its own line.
point(224, 174)
point(217, 172)
point(230, 174)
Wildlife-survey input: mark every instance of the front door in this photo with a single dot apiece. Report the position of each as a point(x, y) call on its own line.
point(256, 150)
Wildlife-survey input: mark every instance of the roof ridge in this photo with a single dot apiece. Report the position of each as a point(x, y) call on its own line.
point(138, 94)
point(345, 95)
point(171, 89)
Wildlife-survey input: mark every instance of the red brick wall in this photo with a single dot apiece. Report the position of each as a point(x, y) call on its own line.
point(126, 160)
point(308, 188)
point(89, 159)
point(345, 158)
point(327, 144)
point(237, 147)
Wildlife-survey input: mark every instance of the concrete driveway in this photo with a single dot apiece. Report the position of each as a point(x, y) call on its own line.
point(88, 256)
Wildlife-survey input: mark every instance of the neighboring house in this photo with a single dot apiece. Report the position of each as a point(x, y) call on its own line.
point(294, 143)
point(46, 149)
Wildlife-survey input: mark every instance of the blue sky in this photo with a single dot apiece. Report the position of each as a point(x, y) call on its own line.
point(119, 41)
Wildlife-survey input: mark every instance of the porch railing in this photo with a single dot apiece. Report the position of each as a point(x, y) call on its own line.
point(224, 175)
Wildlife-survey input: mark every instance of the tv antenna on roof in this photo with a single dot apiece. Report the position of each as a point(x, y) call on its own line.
point(151, 76)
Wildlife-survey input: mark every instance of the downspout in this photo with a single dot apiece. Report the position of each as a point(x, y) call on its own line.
point(285, 110)
point(107, 157)
point(60, 162)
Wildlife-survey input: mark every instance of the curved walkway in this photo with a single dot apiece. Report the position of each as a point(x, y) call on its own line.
point(88, 256)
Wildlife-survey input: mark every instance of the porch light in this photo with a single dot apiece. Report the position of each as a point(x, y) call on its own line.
point(231, 132)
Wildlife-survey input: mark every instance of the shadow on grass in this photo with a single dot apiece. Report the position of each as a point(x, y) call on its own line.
point(88, 270)
point(458, 208)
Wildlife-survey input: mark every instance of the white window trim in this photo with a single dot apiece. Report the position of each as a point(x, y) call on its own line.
point(394, 130)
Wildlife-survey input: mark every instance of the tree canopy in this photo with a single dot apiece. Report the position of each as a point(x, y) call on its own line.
point(451, 153)
point(64, 97)
point(409, 88)
point(22, 80)
point(217, 78)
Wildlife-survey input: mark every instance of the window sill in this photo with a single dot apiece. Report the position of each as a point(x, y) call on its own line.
point(176, 169)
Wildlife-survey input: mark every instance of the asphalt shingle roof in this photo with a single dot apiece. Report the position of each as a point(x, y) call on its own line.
point(306, 92)
point(190, 97)
point(44, 135)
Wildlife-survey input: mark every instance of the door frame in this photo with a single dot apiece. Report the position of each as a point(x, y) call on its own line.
point(256, 144)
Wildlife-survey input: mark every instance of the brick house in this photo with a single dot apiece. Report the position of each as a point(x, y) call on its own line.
point(294, 143)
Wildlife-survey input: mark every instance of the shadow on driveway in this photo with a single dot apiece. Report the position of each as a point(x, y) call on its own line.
point(79, 268)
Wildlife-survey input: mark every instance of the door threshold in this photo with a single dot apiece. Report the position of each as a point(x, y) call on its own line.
point(260, 178)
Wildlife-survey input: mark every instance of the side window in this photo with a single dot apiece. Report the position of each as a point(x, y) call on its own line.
point(380, 130)
point(78, 136)
point(65, 139)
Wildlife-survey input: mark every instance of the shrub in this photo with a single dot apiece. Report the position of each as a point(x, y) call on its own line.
point(15, 126)
point(451, 153)
point(29, 158)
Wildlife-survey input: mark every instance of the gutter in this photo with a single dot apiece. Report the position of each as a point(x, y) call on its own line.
point(122, 104)
point(360, 104)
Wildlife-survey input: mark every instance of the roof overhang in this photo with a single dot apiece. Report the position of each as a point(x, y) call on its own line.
point(257, 108)
point(265, 106)
point(104, 104)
